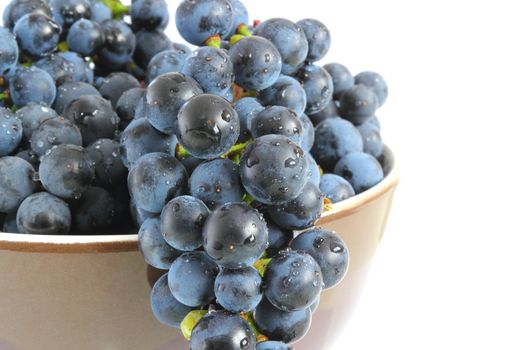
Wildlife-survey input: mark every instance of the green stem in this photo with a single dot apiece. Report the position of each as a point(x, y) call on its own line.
point(180, 152)
point(118, 10)
point(4, 95)
point(247, 198)
point(189, 322)
point(63, 46)
point(243, 30)
point(236, 38)
point(213, 41)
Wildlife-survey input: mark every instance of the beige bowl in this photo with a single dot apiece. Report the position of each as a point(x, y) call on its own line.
point(92, 292)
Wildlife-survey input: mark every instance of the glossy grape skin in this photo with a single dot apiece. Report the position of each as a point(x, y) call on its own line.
point(16, 9)
point(53, 132)
point(155, 179)
point(43, 214)
point(240, 16)
point(278, 325)
point(109, 170)
point(256, 63)
point(32, 85)
point(85, 37)
point(273, 169)
point(375, 82)
point(99, 12)
point(8, 52)
point(360, 169)
point(182, 220)
point(149, 14)
point(216, 182)
point(277, 120)
point(60, 69)
point(140, 138)
point(318, 85)
point(198, 20)
point(169, 61)
point(37, 34)
point(128, 104)
point(286, 92)
point(165, 307)
point(222, 330)
point(307, 141)
point(67, 12)
point(9, 225)
point(165, 96)
point(119, 44)
point(341, 77)
point(70, 91)
point(358, 104)
point(278, 238)
point(191, 278)
point(211, 68)
point(116, 84)
point(289, 39)
point(81, 69)
point(207, 126)
point(336, 188)
point(272, 345)
point(328, 249)
point(94, 211)
point(318, 37)
point(235, 235)
point(150, 43)
point(330, 111)
point(94, 117)
point(372, 142)
point(238, 290)
point(334, 138)
point(153, 247)
point(11, 131)
point(247, 108)
point(16, 182)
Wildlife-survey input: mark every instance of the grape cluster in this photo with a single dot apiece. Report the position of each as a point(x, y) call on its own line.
point(216, 156)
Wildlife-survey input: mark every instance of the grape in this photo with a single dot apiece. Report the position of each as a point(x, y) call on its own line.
point(360, 169)
point(278, 238)
point(314, 173)
point(372, 142)
point(212, 69)
point(153, 247)
point(149, 14)
point(207, 126)
point(116, 84)
point(235, 235)
point(94, 211)
point(16, 183)
point(129, 105)
point(308, 133)
point(330, 111)
point(278, 120)
point(273, 169)
point(169, 61)
point(43, 214)
point(81, 69)
point(32, 85)
point(53, 132)
point(328, 249)
point(238, 290)
point(286, 92)
point(240, 16)
point(336, 188)
point(16, 9)
point(182, 220)
point(67, 12)
point(165, 307)
point(100, 12)
point(70, 91)
point(341, 77)
point(318, 85)
point(8, 52)
point(139, 215)
point(109, 170)
point(37, 34)
point(191, 279)
point(289, 39)
point(85, 37)
point(358, 104)
point(11, 131)
point(375, 122)
point(375, 82)
point(256, 63)
point(119, 45)
point(60, 69)
point(155, 179)
point(318, 37)
point(247, 108)
point(272, 345)
point(149, 44)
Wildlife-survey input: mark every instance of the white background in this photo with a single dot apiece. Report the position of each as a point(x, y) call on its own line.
point(450, 271)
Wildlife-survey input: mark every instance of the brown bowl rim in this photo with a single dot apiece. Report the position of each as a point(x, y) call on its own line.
point(128, 242)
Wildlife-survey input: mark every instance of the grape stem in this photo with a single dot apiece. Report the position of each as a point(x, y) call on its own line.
point(213, 41)
point(236, 38)
point(4, 95)
point(243, 29)
point(63, 46)
point(118, 10)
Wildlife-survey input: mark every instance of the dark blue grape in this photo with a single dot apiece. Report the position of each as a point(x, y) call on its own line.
point(16, 182)
point(328, 249)
point(85, 37)
point(247, 108)
point(81, 69)
point(53, 132)
point(153, 247)
point(222, 330)
point(207, 126)
point(169, 61)
point(66, 171)
point(360, 169)
point(94, 211)
point(9, 224)
point(198, 20)
point(375, 82)
point(334, 138)
point(16, 9)
point(37, 34)
point(278, 238)
point(336, 188)
point(116, 84)
point(182, 220)
point(308, 133)
point(43, 214)
point(314, 173)
point(32, 85)
point(372, 142)
point(289, 39)
point(279, 325)
point(165, 96)
point(318, 85)
point(67, 12)
point(273, 345)
point(149, 14)
point(212, 69)
point(330, 111)
point(155, 179)
point(70, 91)
point(235, 235)
point(256, 63)
point(128, 104)
point(150, 43)
point(119, 44)
point(191, 279)
point(341, 76)
point(60, 69)
point(358, 104)
point(216, 182)
point(100, 12)
point(191, 163)
point(11, 132)
point(165, 307)
point(278, 120)
point(273, 169)
point(318, 37)
point(109, 170)
point(8, 52)
point(286, 92)
point(240, 16)
point(139, 215)
point(238, 289)
point(94, 117)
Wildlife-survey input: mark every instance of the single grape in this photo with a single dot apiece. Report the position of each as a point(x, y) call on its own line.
point(37, 34)
point(11, 132)
point(109, 170)
point(82, 71)
point(336, 188)
point(16, 183)
point(116, 84)
point(372, 142)
point(358, 104)
point(375, 82)
point(318, 85)
point(43, 214)
point(119, 43)
point(238, 290)
point(85, 37)
point(32, 85)
point(16, 9)
point(60, 69)
point(286, 92)
point(149, 14)
point(165, 307)
point(53, 132)
point(278, 120)
point(153, 247)
point(341, 76)
point(70, 91)
point(8, 52)
point(318, 37)
point(278, 238)
point(330, 111)
point(67, 12)
point(149, 44)
point(247, 108)
point(94, 211)
point(100, 12)
point(169, 61)
point(360, 169)
point(212, 69)
point(128, 104)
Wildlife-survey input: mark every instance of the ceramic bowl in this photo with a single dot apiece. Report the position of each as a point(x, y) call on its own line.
point(92, 292)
